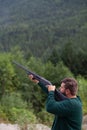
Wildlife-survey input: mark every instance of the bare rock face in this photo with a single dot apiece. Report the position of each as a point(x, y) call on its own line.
point(84, 126)
point(30, 127)
point(38, 127)
point(8, 127)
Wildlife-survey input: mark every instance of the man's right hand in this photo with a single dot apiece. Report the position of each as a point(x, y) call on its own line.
point(31, 77)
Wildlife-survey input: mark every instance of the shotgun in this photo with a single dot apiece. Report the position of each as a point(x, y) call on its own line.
point(58, 95)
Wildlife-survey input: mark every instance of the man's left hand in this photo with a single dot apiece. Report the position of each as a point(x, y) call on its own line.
point(51, 87)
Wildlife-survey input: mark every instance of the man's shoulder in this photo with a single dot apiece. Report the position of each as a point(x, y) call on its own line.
point(75, 102)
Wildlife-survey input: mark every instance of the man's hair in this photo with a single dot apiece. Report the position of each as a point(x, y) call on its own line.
point(71, 84)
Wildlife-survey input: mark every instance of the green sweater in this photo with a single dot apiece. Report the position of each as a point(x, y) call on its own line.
point(68, 113)
point(44, 88)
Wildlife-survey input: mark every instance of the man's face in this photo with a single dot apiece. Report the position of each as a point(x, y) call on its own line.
point(62, 89)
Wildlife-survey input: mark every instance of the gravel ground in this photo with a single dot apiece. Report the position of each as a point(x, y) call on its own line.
point(84, 122)
point(8, 127)
point(30, 127)
point(36, 126)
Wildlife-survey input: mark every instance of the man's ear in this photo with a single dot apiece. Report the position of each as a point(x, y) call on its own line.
point(67, 91)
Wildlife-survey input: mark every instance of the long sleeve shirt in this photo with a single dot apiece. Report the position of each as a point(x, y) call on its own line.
point(68, 113)
point(43, 87)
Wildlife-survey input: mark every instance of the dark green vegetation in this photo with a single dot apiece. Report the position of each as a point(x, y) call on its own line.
point(50, 38)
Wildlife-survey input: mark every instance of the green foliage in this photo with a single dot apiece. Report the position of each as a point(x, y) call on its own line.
point(45, 117)
point(82, 83)
point(3, 116)
point(56, 73)
point(21, 116)
point(82, 61)
point(12, 100)
point(40, 26)
point(15, 109)
point(36, 65)
point(6, 74)
point(17, 54)
point(75, 59)
point(62, 72)
point(54, 57)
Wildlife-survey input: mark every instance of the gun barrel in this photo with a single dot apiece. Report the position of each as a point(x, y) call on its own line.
point(24, 68)
point(21, 66)
point(36, 76)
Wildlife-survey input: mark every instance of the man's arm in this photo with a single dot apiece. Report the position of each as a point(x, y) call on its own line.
point(58, 108)
point(58, 95)
point(43, 87)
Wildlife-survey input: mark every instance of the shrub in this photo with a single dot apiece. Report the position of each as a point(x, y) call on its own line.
point(45, 117)
point(3, 116)
point(13, 100)
point(16, 109)
point(82, 83)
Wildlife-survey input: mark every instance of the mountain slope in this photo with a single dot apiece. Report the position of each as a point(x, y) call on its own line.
point(39, 25)
point(26, 10)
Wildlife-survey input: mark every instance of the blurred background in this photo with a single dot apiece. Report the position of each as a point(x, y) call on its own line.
point(49, 37)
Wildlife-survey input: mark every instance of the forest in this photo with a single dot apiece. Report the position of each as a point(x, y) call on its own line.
point(47, 37)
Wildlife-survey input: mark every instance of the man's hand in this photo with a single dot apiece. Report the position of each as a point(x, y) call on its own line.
point(33, 79)
point(51, 87)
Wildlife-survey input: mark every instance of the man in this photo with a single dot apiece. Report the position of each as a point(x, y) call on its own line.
point(68, 113)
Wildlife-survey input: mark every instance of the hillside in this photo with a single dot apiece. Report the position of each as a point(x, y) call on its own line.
point(38, 26)
point(26, 11)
